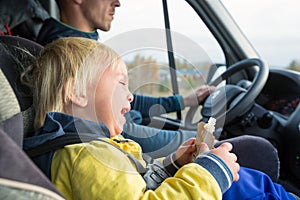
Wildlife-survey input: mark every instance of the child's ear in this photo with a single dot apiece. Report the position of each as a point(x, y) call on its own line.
point(79, 100)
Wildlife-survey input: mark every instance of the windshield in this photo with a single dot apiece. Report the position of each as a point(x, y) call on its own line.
point(272, 27)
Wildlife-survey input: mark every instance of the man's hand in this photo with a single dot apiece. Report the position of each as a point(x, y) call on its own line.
point(197, 97)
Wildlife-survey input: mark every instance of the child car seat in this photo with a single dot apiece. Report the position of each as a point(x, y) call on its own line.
point(18, 174)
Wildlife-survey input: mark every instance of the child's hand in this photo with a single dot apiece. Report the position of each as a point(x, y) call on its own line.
point(223, 152)
point(184, 153)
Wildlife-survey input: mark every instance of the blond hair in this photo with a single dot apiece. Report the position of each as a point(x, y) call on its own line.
point(66, 65)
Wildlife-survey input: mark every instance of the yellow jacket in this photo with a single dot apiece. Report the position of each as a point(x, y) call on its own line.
point(97, 170)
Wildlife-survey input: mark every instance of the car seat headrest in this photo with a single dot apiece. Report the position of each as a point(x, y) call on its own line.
point(16, 54)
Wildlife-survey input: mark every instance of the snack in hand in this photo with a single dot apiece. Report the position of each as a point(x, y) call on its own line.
point(205, 134)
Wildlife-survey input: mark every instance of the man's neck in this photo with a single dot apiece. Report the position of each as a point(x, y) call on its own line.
point(76, 22)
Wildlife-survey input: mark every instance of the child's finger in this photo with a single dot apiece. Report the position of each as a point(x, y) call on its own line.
point(228, 146)
point(190, 141)
point(203, 148)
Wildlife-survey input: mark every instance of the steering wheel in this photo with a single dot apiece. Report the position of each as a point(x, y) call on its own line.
point(229, 101)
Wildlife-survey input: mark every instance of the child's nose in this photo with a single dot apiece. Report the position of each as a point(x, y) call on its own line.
point(130, 97)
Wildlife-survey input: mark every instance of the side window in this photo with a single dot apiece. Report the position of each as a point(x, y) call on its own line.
point(138, 35)
point(197, 50)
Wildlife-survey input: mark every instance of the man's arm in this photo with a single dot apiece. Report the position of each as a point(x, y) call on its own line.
point(155, 106)
point(156, 142)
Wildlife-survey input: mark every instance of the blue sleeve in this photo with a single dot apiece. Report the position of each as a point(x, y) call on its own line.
point(156, 105)
point(217, 168)
point(254, 184)
point(154, 141)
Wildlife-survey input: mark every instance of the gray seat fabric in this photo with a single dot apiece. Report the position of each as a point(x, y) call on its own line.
point(16, 165)
point(12, 107)
point(9, 111)
point(24, 191)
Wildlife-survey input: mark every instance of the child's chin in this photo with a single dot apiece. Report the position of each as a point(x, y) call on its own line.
point(122, 122)
point(120, 127)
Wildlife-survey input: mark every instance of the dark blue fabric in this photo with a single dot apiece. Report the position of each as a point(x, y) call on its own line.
point(134, 116)
point(146, 105)
point(157, 142)
point(53, 29)
point(44, 163)
point(217, 167)
point(58, 124)
point(256, 185)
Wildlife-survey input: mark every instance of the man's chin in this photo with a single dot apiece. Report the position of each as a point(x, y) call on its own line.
point(105, 28)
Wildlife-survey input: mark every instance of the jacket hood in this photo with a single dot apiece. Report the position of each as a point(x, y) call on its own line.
point(58, 124)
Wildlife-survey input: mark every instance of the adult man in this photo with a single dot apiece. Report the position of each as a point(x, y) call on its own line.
point(79, 18)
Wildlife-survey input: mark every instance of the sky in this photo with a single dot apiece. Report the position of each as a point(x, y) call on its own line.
point(272, 26)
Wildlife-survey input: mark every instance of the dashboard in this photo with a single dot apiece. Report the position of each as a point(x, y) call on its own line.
point(281, 92)
point(284, 105)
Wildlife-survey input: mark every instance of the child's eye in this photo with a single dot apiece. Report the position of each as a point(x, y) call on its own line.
point(122, 82)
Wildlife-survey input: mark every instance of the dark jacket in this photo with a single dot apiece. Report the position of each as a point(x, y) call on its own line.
point(53, 29)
